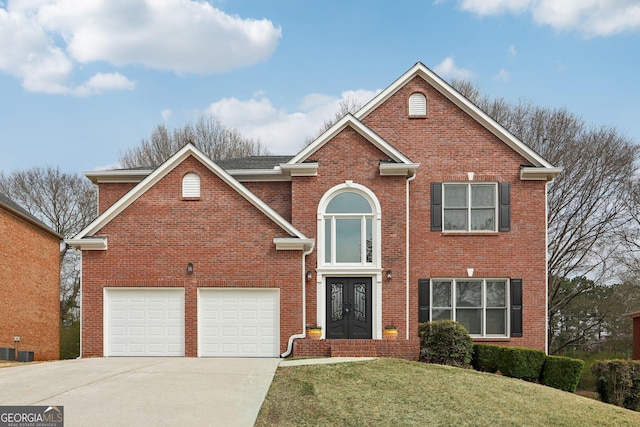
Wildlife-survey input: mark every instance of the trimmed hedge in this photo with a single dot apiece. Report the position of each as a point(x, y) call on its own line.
point(486, 358)
point(527, 364)
point(562, 373)
point(523, 363)
point(445, 342)
point(618, 382)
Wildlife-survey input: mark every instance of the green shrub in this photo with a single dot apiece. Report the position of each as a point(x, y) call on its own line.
point(70, 340)
point(523, 363)
point(562, 373)
point(445, 342)
point(618, 382)
point(486, 358)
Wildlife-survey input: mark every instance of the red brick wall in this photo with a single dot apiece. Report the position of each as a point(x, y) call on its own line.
point(29, 288)
point(448, 144)
point(228, 240)
point(109, 193)
point(636, 338)
point(275, 194)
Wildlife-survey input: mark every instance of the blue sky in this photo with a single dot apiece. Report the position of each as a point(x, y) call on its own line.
point(82, 81)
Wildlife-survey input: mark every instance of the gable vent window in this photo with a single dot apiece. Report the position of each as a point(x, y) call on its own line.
point(191, 186)
point(417, 105)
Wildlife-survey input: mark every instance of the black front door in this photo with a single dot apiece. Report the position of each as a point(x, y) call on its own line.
point(349, 307)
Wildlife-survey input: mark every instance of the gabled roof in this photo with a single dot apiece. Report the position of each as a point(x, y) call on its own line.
point(15, 209)
point(468, 107)
point(86, 239)
point(399, 163)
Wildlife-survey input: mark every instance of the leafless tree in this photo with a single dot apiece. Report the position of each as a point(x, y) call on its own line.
point(347, 105)
point(207, 133)
point(66, 203)
point(588, 203)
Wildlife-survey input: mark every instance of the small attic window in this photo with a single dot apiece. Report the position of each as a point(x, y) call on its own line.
point(417, 105)
point(191, 186)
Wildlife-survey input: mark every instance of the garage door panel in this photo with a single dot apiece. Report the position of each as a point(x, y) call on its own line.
point(144, 322)
point(238, 322)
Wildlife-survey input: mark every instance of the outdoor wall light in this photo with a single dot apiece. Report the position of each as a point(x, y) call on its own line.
point(389, 274)
point(190, 268)
point(309, 275)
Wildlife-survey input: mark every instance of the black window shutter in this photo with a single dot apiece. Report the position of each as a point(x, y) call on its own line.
point(423, 300)
point(504, 206)
point(516, 307)
point(436, 206)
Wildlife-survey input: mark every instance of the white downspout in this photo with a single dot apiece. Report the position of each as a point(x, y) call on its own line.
point(407, 308)
point(304, 305)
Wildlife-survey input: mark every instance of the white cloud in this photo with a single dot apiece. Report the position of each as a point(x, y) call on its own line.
point(281, 131)
point(503, 76)
point(494, 7)
point(166, 114)
point(512, 51)
point(42, 41)
point(102, 82)
point(590, 17)
point(448, 68)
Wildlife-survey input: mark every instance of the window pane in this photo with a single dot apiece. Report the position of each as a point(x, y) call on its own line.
point(348, 240)
point(496, 321)
point(348, 203)
point(483, 196)
point(455, 196)
point(471, 319)
point(483, 219)
point(496, 294)
point(327, 240)
point(469, 294)
point(455, 219)
point(441, 294)
point(440, 314)
point(369, 240)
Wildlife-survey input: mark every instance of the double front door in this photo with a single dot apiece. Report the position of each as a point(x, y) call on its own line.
point(348, 308)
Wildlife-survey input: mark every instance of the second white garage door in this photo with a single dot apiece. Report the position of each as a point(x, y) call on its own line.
point(238, 322)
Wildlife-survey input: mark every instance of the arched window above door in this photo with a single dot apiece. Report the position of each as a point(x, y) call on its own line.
point(349, 227)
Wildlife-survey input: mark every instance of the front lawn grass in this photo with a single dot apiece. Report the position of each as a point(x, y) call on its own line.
point(392, 392)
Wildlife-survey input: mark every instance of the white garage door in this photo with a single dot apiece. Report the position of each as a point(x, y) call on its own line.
point(144, 322)
point(237, 322)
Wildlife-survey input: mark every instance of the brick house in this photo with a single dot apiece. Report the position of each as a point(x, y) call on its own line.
point(29, 283)
point(417, 207)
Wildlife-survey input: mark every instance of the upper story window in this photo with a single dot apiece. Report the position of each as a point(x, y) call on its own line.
point(191, 186)
point(470, 207)
point(349, 227)
point(417, 105)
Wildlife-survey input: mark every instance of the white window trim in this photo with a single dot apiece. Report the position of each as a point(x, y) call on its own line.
point(453, 307)
point(373, 269)
point(376, 226)
point(469, 209)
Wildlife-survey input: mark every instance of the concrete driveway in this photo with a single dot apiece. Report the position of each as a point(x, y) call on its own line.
point(144, 391)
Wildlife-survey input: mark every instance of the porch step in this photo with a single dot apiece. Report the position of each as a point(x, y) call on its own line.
point(401, 349)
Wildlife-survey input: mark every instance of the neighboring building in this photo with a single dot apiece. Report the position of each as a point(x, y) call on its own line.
point(635, 316)
point(29, 283)
point(417, 207)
